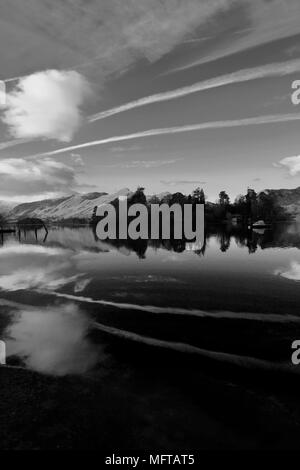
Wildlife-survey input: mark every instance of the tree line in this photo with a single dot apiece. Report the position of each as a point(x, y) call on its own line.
point(244, 209)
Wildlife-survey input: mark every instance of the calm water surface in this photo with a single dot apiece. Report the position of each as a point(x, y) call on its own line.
point(72, 304)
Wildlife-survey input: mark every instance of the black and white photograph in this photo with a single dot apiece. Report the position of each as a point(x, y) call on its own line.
point(149, 228)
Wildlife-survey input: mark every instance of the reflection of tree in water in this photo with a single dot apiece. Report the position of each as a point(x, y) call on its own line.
point(22, 234)
point(140, 246)
point(137, 246)
point(280, 236)
point(202, 250)
point(252, 244)
point(224, 240)
point(31, 225)
point(173, 245)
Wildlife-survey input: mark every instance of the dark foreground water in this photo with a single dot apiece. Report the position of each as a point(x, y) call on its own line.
point(150, 345)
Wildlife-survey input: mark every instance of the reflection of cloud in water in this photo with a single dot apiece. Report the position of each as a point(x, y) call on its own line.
point(81, 285)
point(18, 249)
point(293, 273)
point(34, 278)
point(52, 340)
point(34, 266)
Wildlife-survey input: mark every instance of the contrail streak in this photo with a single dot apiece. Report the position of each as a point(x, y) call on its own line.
point(13, 143)
point(244, 75)
point(277, 118)
point(271, 70)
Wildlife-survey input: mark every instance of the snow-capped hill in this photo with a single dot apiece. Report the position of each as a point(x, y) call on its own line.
point(74, 206)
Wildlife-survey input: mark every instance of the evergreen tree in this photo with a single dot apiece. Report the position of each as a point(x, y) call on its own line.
point(224, 198)
point(198, 196)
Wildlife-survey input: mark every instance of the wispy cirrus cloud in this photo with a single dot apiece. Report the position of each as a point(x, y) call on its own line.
point(13, 143)
point(116, 33)
point(266, 71)
point(253, 121)
point(267, 21)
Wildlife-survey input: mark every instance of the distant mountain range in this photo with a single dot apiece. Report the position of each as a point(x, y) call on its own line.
point(6, 207)
point(82, 205)
point(76, 205)
point(287, 198)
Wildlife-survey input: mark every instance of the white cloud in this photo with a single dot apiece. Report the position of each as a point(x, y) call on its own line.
point(21, 177)
point(291, 163)
point(46, 105)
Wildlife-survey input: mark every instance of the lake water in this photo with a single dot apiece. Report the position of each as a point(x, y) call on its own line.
point(158, 314)
point(71, 283)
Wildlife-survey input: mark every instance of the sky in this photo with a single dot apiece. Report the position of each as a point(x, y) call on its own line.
point(166, 94)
